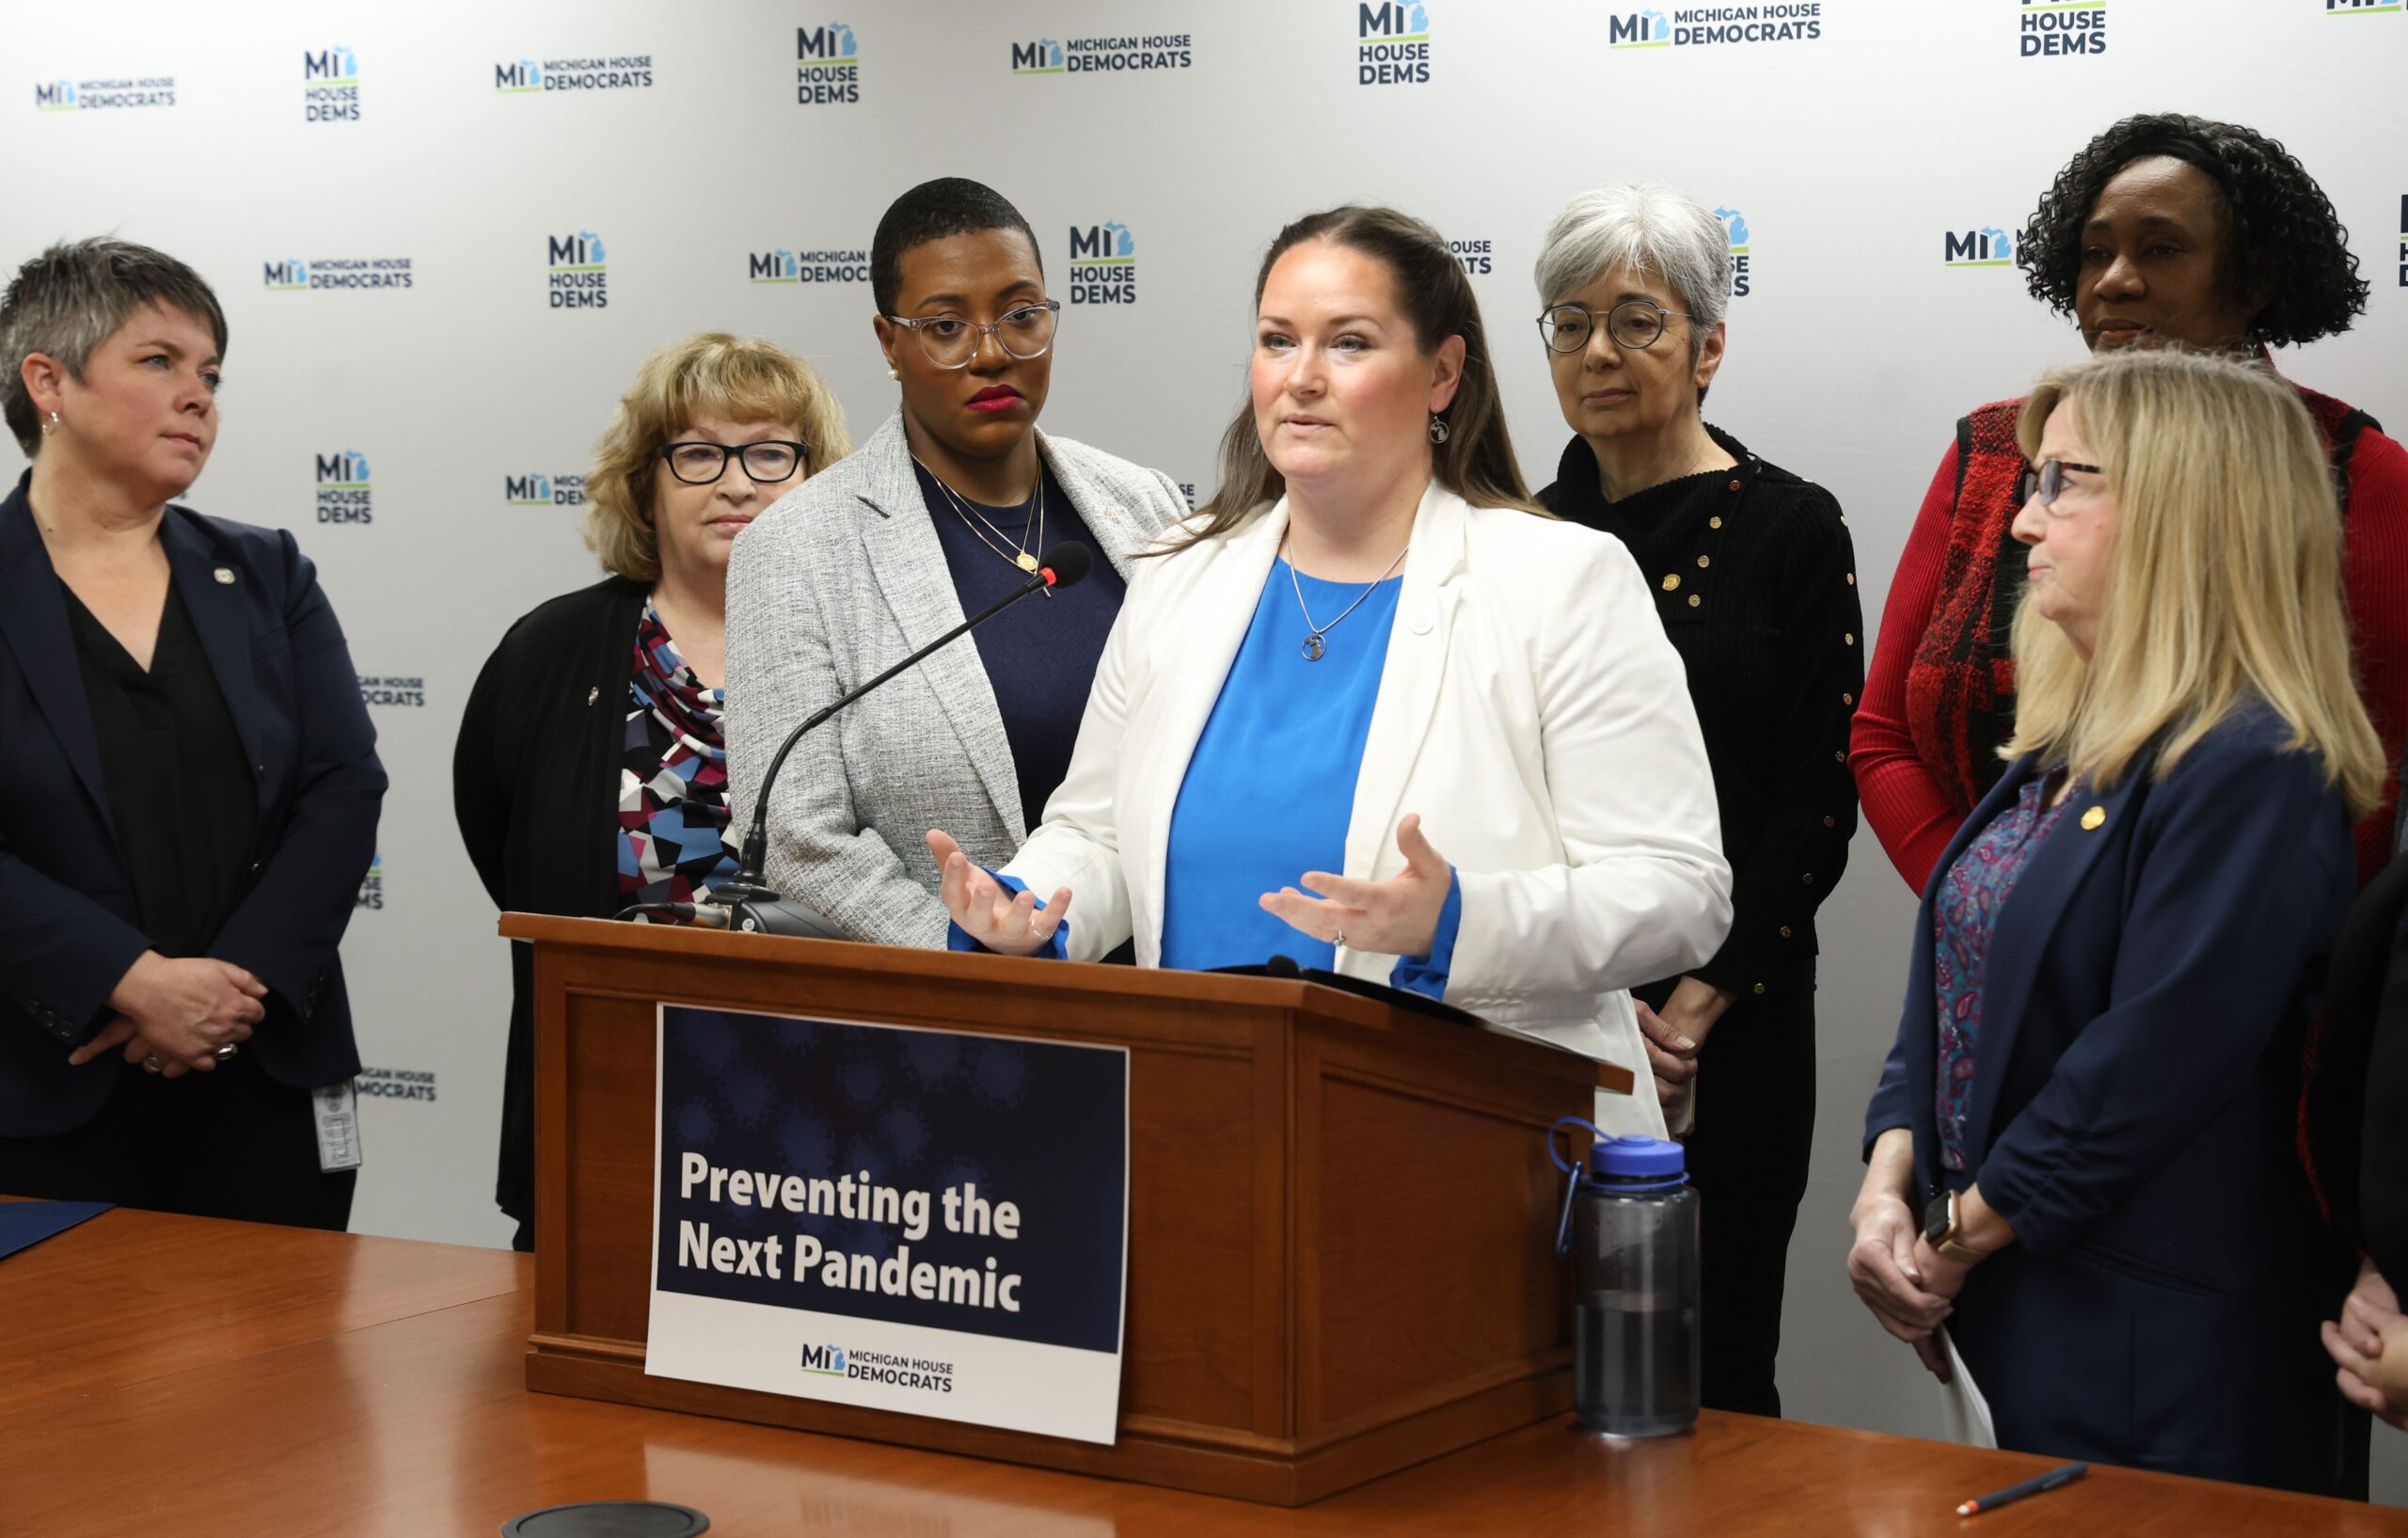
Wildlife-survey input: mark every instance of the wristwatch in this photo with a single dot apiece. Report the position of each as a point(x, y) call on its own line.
point(1939, 1229)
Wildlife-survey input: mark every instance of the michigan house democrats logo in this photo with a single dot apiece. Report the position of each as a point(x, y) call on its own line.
point(827, 66)
point(1699, 26)
point(1042, 57)
point(1101, 56)
point(1735, 224)
point(527, 77)
point(342, 488)
point(406, 692)
point(544, 490)
point(829, 1361)
point(293, 276)
point(578, 277)
point(1103, 265)
point(1478, 257)
point(1391, 44)
point(2364, 8)
point(105, 95)
point(371, 886)
point(2056, 28)
point(1638, 29)
point(330, 85)
point(830, 266)
point(1989, 247)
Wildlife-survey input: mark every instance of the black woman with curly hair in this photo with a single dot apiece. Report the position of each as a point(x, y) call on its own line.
point(2166, 229)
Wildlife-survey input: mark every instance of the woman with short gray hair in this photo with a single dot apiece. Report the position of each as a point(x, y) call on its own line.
point(1755, 583)
point(188, 780)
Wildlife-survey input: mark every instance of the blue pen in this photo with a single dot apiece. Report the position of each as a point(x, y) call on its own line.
point(2013, 1493)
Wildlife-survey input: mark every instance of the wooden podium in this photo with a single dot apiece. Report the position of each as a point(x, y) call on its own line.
point(1342, 1215)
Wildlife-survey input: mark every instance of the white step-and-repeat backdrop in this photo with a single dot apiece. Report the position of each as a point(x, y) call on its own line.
point(445, 233)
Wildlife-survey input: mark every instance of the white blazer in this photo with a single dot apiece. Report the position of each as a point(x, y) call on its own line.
point(1530, 710)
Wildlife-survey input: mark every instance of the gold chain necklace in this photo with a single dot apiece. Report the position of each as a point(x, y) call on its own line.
point(1018, 555)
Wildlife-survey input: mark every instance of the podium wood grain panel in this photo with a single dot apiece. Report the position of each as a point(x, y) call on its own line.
point(1299, 1318)
point(418, 1424)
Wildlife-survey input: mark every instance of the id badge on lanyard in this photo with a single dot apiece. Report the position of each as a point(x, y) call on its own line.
point(338, 1114)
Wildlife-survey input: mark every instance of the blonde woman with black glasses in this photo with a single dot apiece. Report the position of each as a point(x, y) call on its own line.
point(2081, 1151)
point(942, 511)
point(590, 772)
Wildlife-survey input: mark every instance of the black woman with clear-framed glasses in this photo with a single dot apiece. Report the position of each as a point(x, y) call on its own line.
point(1755, 583)
point(590, 770)
point(944, 509)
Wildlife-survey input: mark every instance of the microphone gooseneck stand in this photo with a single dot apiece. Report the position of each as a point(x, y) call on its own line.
point(746, 900)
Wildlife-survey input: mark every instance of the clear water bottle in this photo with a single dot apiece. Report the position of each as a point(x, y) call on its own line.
point(1631, 1224)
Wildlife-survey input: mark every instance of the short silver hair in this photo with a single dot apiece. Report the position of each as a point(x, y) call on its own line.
point(73, 297)
point(1653, 230)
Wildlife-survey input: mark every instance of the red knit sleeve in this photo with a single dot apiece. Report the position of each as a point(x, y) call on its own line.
point(1910, 813)
point(2375, 572)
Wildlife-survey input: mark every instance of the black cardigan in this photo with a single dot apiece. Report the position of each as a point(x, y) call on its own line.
point(535, 787)
point(1755, 579)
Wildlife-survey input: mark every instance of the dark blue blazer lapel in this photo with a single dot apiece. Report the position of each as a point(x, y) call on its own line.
point(221, 613)
point(33, 620)
point(2091, 823)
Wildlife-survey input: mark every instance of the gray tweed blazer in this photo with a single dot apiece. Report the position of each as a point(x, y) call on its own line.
point(842, 579)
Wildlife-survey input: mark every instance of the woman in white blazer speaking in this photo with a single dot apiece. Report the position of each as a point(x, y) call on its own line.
point(1371, 709)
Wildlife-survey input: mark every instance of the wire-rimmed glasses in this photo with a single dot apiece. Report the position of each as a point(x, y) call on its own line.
point(1634, 324)
point(1024, 332)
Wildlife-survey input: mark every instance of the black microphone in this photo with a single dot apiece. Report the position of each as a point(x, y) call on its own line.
point(757, 907)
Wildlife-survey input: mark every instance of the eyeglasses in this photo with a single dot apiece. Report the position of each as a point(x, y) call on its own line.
point(702, 464)
point(1635, 323)
point(952, 342)
point(2044, 480)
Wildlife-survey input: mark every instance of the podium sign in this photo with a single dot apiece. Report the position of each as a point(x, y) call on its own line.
point(890, 1216)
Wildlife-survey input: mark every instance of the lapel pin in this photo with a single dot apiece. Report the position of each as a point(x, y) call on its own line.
point(2094, 819)
point(225, 575)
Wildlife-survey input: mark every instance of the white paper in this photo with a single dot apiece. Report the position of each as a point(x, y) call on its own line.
point(1964, 1414)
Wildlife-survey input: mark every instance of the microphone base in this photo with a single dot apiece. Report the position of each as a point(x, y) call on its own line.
point(778, 916)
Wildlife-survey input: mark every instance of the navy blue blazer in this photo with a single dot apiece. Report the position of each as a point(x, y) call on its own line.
point(2133, 1108)
point(69, 925)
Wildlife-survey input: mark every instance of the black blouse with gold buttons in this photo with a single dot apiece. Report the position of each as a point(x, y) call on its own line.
point(1755, 579)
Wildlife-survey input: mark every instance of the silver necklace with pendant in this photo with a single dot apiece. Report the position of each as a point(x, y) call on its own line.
point(1314, 647)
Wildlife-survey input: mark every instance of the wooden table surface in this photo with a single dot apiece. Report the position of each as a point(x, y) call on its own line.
point(174, 1375)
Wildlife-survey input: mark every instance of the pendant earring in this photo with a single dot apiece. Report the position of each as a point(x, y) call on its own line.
point(51, 426)
point(1438, 429)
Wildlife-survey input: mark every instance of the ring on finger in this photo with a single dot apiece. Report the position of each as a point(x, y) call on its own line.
point(150, 1063)
point(225, 1052)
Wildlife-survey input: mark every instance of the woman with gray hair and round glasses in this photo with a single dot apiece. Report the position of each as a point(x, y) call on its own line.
point(1755, 583)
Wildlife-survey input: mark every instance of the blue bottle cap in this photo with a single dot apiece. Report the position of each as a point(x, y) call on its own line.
point(1637, 1158)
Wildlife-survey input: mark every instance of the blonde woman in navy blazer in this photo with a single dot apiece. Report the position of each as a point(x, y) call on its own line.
point(2081, 1152)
